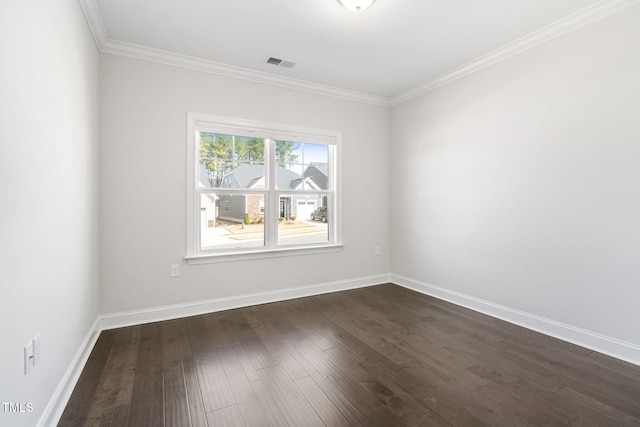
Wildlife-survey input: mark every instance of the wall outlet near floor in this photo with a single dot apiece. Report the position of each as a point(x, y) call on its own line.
point(377, 250)
point(175, 270)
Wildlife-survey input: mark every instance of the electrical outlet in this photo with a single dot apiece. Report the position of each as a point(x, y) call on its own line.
point(36, 349)
point(175, 270)
point(28, 357)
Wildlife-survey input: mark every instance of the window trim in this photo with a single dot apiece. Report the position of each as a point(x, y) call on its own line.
point(199, 122)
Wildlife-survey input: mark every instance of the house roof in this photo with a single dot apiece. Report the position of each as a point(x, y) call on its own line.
point(318, 173)
point(247, 176)
point(322, 167)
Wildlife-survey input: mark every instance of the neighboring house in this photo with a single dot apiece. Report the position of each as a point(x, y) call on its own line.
point(209, 203)
point(319, 173)
point(234, 207)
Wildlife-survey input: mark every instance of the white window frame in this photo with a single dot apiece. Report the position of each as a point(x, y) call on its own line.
point(198, 122)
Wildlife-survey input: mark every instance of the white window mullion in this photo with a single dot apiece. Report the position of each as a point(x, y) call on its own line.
point(271, 220)
point(331, 199)
point(193, 195)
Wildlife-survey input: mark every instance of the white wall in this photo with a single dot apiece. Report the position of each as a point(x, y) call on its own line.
point(516, 185)
point(143, 185)
point(522, 181)
point(48, 183)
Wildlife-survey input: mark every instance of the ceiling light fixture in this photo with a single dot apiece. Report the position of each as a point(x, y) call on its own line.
point(356, 5)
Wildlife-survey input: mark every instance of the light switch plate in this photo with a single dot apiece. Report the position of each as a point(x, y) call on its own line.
point(28, 357)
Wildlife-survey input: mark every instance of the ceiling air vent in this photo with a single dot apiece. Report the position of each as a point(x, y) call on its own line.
point(280, 62)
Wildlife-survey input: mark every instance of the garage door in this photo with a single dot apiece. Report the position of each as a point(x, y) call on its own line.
point(304, 209)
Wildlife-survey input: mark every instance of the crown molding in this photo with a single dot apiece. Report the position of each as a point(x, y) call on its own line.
point(583, 17)
point(535, 38)
point(96, 24)
point(94, 19)
point(207, 66)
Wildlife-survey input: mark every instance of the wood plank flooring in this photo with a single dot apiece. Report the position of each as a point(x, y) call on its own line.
point(377, 356)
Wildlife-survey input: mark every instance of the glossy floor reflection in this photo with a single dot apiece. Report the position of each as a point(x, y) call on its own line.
point(378, 356)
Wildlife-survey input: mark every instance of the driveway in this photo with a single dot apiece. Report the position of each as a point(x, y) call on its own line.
point(252, 235)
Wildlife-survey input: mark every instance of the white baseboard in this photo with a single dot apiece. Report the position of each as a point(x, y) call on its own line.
point(597, 342)
point(603, 344)
point(58, 401)
point(52, 413)
point(137, 317)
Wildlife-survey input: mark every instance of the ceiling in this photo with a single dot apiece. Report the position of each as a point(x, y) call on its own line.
point(387, 51)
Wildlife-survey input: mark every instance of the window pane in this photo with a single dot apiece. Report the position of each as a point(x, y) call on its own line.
point(303, 220)
point(302, 166)
point(231, 161)
point(231, 221)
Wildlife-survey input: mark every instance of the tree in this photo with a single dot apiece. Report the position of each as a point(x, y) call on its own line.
point(249, 150)
point(216, 153)
point(284, 152)
point(220, 154)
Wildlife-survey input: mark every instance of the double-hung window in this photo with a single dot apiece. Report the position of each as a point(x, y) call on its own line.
point(258, 189)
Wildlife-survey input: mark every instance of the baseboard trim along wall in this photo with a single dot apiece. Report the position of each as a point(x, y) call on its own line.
point(137, 317)
point(603, 344)
point(61, 395)
point(597, 342)
point(58, 401)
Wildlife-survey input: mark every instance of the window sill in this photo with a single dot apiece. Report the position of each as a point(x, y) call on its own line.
point(210, 258)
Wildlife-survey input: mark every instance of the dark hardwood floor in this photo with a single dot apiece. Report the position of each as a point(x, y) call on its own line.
point(378, 356)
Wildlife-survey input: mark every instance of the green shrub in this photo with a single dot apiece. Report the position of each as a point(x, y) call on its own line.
point(293, 217)
point(246, 218)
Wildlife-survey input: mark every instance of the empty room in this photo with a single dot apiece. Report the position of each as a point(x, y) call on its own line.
point(319, 212)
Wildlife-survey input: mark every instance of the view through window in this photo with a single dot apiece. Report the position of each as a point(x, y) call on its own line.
point(256, 190)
